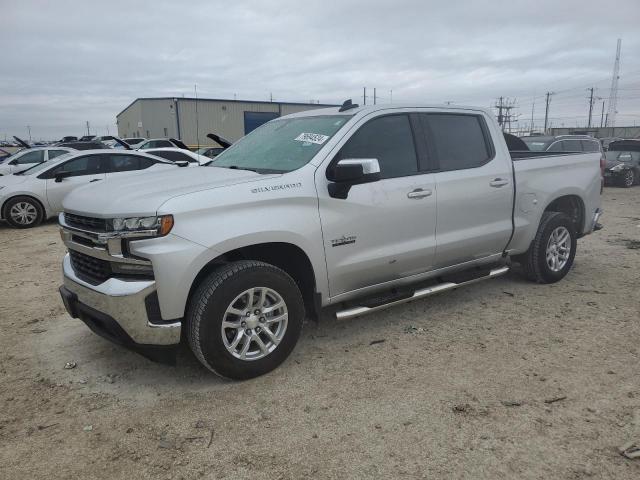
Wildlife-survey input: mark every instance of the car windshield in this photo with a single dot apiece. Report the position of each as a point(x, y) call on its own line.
point(40, 167)
point(536, 145)
point(622, 156)
point(281, 146)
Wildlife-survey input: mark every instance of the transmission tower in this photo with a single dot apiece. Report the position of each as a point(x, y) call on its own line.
point(613, 95)
point(504, 106)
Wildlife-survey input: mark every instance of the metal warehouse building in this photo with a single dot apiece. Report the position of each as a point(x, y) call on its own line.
point(176, 117)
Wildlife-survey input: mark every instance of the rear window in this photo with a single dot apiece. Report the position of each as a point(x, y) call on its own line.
point(459, 140)
point(590, 146)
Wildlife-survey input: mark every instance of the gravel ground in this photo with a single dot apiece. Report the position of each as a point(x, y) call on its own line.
point(503, 379)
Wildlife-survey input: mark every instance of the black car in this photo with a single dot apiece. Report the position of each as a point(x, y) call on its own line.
point(562, 143)
point(623, 163)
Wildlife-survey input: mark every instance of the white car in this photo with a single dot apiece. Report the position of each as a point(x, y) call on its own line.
point(29, 157)
point(179, 154)
point(134, 142)
point(29, 197)
point(161, 143)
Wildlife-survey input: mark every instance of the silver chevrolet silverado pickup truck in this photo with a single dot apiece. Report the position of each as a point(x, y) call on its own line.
point(346, 210)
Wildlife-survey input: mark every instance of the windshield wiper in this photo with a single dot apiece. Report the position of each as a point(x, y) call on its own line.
point(236, 167)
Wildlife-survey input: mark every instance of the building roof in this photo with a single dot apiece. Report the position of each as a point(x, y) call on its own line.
point(226, 100)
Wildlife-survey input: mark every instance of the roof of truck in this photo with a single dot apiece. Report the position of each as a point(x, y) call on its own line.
point(385, 106)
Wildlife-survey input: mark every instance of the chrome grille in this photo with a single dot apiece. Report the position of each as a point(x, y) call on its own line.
point(90, 269)
point(86, 223)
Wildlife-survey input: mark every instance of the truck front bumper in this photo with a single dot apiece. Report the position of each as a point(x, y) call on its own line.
point(121, 311)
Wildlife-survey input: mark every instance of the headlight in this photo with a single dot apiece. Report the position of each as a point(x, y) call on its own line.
point(159, 225)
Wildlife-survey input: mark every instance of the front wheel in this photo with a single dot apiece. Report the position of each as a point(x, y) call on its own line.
point(23, 212)
point(245, 319)
point(552, 251)
point(628, 179)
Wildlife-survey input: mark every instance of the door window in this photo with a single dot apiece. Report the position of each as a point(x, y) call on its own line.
point(459, 140)
point(555, 147)
point(571, 146)
point(390, 140)
point(36, 156)
point(590, 146)
point(127, 163)
point(56, 153)
point(89, 165)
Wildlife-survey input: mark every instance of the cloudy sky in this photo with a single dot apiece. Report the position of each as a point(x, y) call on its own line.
point(66, 62)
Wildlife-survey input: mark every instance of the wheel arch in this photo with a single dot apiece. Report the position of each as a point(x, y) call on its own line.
point(45, 212)
point(286, 256)
point(571, 205)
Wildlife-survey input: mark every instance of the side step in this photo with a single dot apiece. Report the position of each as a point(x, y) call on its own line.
point(423, 292)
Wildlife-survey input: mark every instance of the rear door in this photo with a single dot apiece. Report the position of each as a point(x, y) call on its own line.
point(82, 171)
point(385, 230)
point(475, 188)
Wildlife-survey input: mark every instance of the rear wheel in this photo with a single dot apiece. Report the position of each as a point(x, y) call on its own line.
point(552, 251)
point(23, 212)
point(245, 319)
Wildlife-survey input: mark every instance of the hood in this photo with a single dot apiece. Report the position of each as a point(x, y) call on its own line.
point(613, 163)
point(142, 193)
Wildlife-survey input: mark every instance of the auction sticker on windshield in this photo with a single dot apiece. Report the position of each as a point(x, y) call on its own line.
point(312, 138)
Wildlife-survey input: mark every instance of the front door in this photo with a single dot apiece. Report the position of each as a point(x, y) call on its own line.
point(82, 171)
point(384, 230)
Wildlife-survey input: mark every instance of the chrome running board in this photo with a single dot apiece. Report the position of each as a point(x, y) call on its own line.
point(423, 292)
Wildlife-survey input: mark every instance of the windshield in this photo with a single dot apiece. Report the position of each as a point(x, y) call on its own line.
point(622, 156)
point(281, 146)
point(40, 167)
point(536, 145)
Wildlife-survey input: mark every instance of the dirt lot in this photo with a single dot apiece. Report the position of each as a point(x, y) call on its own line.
point(461, 385)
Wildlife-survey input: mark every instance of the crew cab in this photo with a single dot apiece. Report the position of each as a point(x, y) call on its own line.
point(27, 198)
point(344, 210)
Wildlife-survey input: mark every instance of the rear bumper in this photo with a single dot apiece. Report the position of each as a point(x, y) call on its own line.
point(123, 311)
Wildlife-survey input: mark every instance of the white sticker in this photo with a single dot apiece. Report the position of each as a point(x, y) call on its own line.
point(312, 138)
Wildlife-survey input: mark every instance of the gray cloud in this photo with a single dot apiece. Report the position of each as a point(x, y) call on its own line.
point(67, 62)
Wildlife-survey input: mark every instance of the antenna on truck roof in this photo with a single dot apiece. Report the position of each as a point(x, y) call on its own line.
point(348, 105)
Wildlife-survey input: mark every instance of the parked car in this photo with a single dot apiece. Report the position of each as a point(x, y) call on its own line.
point(83, 145)
point(68, 138)
point(4, 155)
point(623, 163)
point(357, 208)
point(607, 140)
point(563, 143)
point(134, 142)
point(29, 157)
point(31, 196)
point(86, 138)
point(213, 152)
point(179, 155)
point(162, 143)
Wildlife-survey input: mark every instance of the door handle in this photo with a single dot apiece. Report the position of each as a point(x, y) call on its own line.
point(95, 180)
point(499, 182)
point(419, 193)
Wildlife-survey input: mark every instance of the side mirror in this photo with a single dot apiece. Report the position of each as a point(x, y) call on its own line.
point(61, 176)
point(352, 171)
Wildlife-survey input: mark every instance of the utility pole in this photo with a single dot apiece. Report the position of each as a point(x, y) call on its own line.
point(613, 95)
point(504, 106)
point(500, 118)
point(390, 96)
point(195, 90)
point(364, 96)
point(29, 128)
point(374, 95)
point(602, 116)
point(533, 106)
point(590, 106)
point(88, 128)
point(546, 111)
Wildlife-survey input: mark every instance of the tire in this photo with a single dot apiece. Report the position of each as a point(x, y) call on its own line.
point(224, 290)
point(535, 262)
point(23, 212)
point(628, 179)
